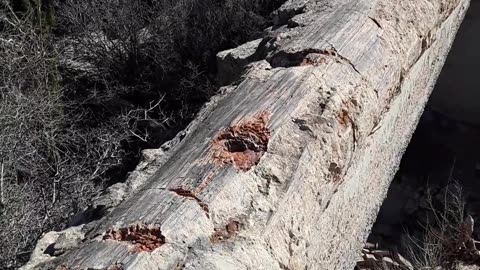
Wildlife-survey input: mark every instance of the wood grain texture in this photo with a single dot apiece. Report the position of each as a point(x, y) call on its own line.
point(343, 83)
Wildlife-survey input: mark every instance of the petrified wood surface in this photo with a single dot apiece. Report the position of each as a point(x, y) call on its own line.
point(288, 168)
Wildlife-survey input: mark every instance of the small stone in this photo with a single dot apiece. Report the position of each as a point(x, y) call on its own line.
point(381, 253)
point(402, 260)
point(369, 257)
point(388, 260)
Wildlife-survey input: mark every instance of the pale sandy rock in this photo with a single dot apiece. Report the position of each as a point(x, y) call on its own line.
point(38, 255)
point(231, 63)
point(402, 260)
point(388, 260)
point(381, 253)
point(52, 241)
point(370, 257)
point(67, 240)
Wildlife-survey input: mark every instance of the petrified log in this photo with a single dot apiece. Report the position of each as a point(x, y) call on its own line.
point(288, 168)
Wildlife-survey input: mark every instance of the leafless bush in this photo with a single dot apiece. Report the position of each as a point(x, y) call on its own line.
point(80, 98)
point(447, 235)
point(28, 119)
point(50, 163)
point(165, 47)
point(445, 241)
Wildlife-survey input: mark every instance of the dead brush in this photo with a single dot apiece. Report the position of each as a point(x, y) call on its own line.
point(447, 236)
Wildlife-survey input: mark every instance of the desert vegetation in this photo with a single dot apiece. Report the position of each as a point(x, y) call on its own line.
point(86, 85)
point(446, 240)
point(447, 234)
point(430, 215)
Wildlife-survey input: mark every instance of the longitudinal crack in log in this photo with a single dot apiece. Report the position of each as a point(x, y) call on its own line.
point(305, 57)
point(190, 195)
point(375, 21)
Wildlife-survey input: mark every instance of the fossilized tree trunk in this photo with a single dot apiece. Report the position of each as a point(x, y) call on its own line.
point(288, 168)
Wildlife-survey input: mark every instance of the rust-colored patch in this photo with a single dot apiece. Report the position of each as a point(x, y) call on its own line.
point(243, 144)
point(343, 117)
point(190, 195)
point(140, 237)
point(61, 267)
point(231, 229)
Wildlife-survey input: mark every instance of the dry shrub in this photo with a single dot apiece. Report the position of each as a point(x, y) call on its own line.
point(51, 164)
point(85, 85)
point(446, 239)
point(142, 48)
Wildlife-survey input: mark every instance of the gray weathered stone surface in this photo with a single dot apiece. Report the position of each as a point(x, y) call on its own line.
point(340, 92)
point(231, 63)
point(54, 242)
